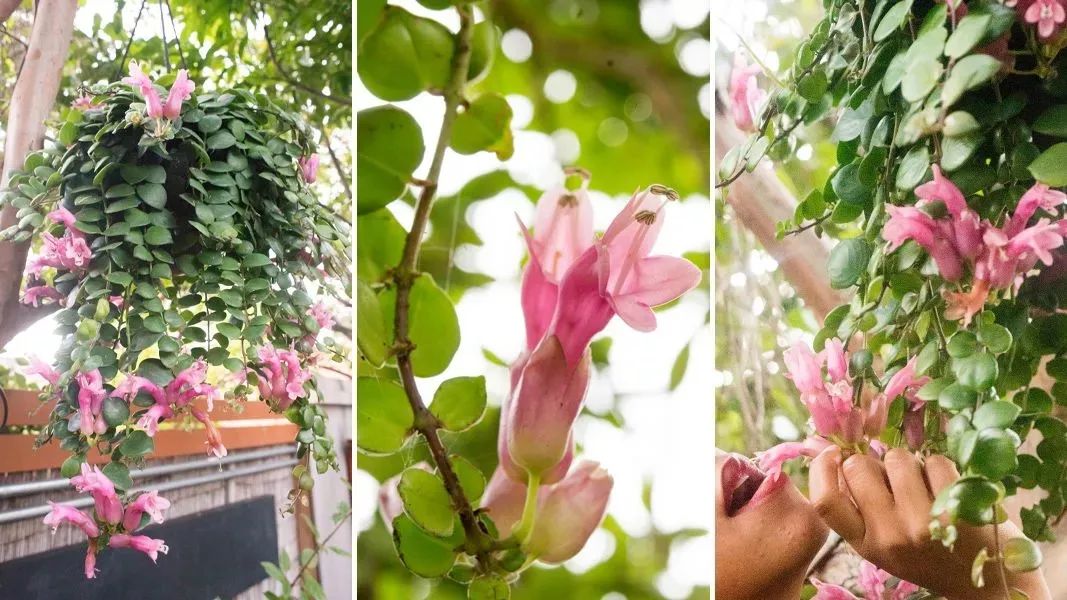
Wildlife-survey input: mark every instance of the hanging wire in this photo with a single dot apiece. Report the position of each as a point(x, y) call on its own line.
point(129, 42)
point(177, 38)
point(7, 408)
point(163, 30)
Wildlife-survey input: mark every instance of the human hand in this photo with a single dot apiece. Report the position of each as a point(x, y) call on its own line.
point(882, 509)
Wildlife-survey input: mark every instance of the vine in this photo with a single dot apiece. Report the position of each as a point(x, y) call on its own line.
point(183, 243)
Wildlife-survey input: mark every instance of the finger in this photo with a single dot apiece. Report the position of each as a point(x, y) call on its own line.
point(866, 481)
point(940, 472)
point(908, 484)
point(906, 480)
point(830, 498)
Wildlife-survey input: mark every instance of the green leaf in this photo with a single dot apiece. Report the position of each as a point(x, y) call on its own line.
point(426, 501)
point(976, 498)
point(968, 73)
point(892, 20)
point(995, 337)
point(119, 474)
point(379, 245)
point(1021, 555)
point(383, 416)
point(492, 586)
point(848, 187)
point(678, 369)
point(913, 168)
point(994, 454)
point(999, 414)
point(962, 344)
point(459, 402)
point(389, 146)
point(977, 371)
point(1048, 167)
point(423, 554)
point(433, 325)
point(485, 125)
point(405, 55)
point(152, 194)
point(371, 334)
point(970, 30)
point(956, 397)
point(158, 236)
point(72, 465)
point(848, 260)
point(220, 140)
point(115, 411)
point(920, 79)
point(136, 445)
point(255, 261)
point(1053, 121)
point(470, 478)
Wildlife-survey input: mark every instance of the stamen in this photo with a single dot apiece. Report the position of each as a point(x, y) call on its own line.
point(662, 190)
point(568, 201)
point(645, 217)
point(579, 171)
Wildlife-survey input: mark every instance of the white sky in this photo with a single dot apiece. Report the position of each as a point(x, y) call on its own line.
point(668, 438)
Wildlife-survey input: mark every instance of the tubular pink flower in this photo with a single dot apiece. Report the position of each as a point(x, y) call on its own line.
point(504, 500)
point(1048, 15)
point(91, 396)
point(214, 438)
point(563, 230)
point(65, 217)
point(180, 91)
point(909, 223)
point(141, 543)
point(746, 97)
point(35, 294)
point(309, 167)
point(70, 252)
point(941, 189)
point(63, 513)
point(543, 407)
point(142, 82)
point(771, 460)
point(874, 582)
point(149, 421)
point(90, 562)
point(93, 481)
point(282, 377)
point(516, 472)
point(321, 314)
point(616, 276)
point(84, 102)
point(1040, 196)
point(42, 369)
point(836, 361)
point(905, 383)
point(150, 503)
point(569, 512)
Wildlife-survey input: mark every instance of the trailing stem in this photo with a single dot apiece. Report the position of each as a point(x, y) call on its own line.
point(478, 543)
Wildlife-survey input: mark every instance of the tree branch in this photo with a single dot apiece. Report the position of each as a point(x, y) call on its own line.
point(337, 165)
point(31, 104)
point(287, 76)
point(406, 274)
point(760, 201)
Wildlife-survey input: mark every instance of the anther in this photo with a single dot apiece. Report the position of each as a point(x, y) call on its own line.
point(568, 201)
point(575, 170)
point(662, 190)
point(645, 217)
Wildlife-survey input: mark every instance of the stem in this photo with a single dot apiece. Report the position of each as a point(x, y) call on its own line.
point(318, 549)
point(1000, 561)
point(405, 275)
point(529, 510)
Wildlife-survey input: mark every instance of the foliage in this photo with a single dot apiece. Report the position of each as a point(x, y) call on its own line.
point(913, 87)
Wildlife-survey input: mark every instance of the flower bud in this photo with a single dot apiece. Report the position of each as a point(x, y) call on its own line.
point(569, 512)
point(543, 407)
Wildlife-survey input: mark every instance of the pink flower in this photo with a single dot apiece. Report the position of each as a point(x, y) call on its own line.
point(42, 369)
point(1048, 15)
point(85, 102)
point(617, 276)
point(1040, 196)
point(62, 513)
point(569, 512)
point(905, 383)
point(309, 167)
point(90, 562)
point(746, 97)
point(214, 438)
point(91, 394)
point(93, 481)
point(141, 543)
point(563, 230)
point(543, 407)
point(35, 294)
point(282, 378)
point(141, 81)
point(874, 582)
point(180, 91)
point(63, 216)
point(322, 315)
point(150, 503)
point(69, 252)
point(772, 459)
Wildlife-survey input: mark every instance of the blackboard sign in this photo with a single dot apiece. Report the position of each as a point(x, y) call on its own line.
point(213, 554)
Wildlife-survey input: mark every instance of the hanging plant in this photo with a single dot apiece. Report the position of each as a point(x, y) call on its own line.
point(181, 239)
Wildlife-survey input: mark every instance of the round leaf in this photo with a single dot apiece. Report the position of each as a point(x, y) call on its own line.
point(1021, 554)
point(423, 554)
point(977, 371)
point(1048, 167)
point(994, 454)
point(470, 478)
point(389, 146)
point(405, 55)
point(848, 261)
point(371, 328)
point(383, 416)
point(433, 325)
point(459, 402)
point(426, 501)
point(489, 587)
point(485, 125)
point(999, 414)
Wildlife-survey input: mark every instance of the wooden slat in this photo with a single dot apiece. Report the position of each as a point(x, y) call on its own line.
point(25, 409)
point(17, 453)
